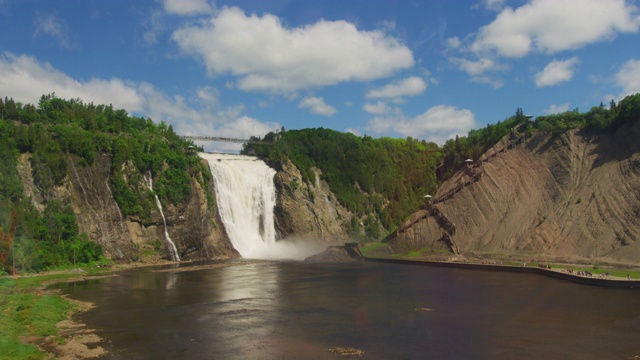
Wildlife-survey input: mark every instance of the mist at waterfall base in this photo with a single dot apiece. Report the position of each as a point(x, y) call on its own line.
point(246, 197)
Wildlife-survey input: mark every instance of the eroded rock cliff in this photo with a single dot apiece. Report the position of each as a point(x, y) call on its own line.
point(194, 226)
point(307, 212)
point(573, 196)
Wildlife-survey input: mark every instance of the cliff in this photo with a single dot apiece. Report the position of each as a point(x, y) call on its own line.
point(194, 226)
point(307, 211)
point(574, 196)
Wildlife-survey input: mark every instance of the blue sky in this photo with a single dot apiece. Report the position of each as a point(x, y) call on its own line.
point(425, 69)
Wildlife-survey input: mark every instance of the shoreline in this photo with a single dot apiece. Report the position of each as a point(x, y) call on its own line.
point(615, 282)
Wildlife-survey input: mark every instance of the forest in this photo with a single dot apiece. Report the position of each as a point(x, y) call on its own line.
point(53, 132)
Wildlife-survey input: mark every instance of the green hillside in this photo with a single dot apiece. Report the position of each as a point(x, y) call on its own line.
point(49, 135)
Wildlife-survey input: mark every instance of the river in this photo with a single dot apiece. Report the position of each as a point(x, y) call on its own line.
point(297, 310)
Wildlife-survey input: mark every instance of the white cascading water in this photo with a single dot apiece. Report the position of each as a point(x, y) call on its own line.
point(172, 246)
point(246, 196)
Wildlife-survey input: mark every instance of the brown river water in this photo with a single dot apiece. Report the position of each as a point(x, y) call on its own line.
point(297, 310)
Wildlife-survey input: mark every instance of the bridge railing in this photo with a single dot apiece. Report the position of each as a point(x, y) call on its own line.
point(225, 139)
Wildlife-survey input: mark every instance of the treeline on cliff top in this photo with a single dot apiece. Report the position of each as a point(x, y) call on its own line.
point(59, 131)
point(386, 179)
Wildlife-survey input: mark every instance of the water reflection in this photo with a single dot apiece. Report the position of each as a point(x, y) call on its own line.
point(288, 310)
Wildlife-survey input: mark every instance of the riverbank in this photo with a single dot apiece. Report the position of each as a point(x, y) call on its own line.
point(36, 322)
point(569, 272)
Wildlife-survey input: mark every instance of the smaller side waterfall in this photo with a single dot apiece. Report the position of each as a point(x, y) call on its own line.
point(170, 243)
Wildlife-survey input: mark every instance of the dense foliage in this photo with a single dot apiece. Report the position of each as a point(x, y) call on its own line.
point(597, 119)
point(58, 131)
point(476, 143)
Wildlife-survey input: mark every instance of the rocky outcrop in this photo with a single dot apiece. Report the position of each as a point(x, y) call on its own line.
point(572, 196)
point(307, 211)
point(332, 254)
point(194, 227)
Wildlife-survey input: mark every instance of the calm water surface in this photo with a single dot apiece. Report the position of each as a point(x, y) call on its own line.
point(295, 310)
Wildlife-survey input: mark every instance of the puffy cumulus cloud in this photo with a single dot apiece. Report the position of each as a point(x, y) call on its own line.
point(267, 56)
point(556, 72)
point(187, 7)
point(317, 106)
point(27, 79)
point(556, 109)
point(628, 78)
point(411, 86)
point(437, 124)
point(49, 24)
point(551, 26)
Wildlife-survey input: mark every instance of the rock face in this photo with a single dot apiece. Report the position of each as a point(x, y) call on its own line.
point(331, 254)
point(194, 227)
point(307, 211)
point(574, 196)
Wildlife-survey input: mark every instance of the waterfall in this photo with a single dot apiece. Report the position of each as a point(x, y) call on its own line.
point(246, 196)
point(172, 246)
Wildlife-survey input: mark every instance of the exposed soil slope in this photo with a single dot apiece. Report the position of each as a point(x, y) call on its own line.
point(573, 196)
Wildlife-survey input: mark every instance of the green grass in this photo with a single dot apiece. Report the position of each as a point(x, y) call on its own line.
point(371, 247)
point(26, 313)
point(634, 274)
point(417, 253)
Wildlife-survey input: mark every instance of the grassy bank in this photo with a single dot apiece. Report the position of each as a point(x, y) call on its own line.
point(29, 315)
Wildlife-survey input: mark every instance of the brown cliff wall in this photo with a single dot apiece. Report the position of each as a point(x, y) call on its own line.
point(307, 211)
point(575, 195)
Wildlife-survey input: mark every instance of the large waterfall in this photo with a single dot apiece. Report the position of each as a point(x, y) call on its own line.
point(246, 196)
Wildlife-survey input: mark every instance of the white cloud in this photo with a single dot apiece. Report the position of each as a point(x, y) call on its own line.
point(551, 26)
point(51, 25)
point(355, 132)
point(628, 78)
point(454, 42)
point(378, 108)
point(382, 108)
point(153, 27)
point(317, 106)
point(188, 7)
point(267, 56)
point(411, 86)
point(556, 109)
point(477, 70)
point(493, 4)
point(437, 124)
point(26, 79)
point(556, 72)
point(478, 67)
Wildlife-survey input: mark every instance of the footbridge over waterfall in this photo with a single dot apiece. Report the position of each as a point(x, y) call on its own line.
point(225, 139)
